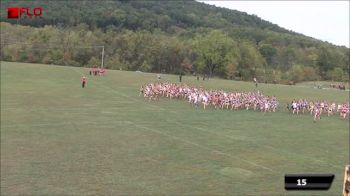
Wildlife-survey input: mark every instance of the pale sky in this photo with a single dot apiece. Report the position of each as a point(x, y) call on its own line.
point(323, 20)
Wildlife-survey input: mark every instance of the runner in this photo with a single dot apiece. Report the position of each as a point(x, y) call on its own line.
point(317, 114)
point(256, 82)
point(141, 91)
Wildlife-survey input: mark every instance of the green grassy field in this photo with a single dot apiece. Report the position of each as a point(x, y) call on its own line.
point(323, 84)
point(60, 139)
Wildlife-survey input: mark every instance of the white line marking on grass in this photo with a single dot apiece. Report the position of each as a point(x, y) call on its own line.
point(219, 134)
point(270, 147)
point(63, 124)
point(273, 148)
point(30, 109)
point(201, 146)
point(261, 145)
point(122, 94)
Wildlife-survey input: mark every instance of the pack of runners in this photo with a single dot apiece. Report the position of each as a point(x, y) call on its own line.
point(197, 96)
point(214, 98)
point(317, 108)
point(97, 71)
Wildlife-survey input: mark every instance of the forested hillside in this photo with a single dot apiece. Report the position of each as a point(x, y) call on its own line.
point(169, 37)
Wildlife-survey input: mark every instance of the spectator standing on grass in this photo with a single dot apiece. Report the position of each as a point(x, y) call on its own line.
point(83, 81)
point(256, 82)
point(180, 77)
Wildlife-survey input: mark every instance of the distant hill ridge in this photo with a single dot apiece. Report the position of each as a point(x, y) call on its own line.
point(133, 14)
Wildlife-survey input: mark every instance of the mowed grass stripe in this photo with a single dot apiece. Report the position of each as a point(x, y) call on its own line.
point(203, 147)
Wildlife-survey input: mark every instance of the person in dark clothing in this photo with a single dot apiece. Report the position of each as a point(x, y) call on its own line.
point(83, 81)
point(180, 77)
point(346, 190)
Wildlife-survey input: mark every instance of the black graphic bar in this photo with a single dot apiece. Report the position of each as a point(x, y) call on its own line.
point(308, 181)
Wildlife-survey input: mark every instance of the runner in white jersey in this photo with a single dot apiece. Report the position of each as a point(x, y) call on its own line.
point(294, 107)
point(204, 100)
point(317, 113)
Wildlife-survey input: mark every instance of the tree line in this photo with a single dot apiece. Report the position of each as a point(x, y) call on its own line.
point(204, 51)
point(167, 16)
